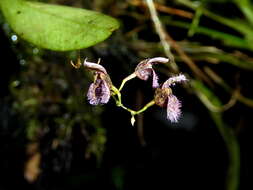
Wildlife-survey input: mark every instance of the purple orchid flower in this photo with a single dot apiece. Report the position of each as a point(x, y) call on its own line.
point(145, 69)
point(165, 98)
point(100, 90)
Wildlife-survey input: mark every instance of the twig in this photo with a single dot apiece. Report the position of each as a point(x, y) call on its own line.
point(161, 33)
point(188, 60)
point(215, 108)
point(164, 9)
point(167, 41)
point(216, 78)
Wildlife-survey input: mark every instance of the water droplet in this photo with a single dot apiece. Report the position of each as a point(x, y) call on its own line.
point(22, 62)
point(15, 83)
point(35, 51)
point(14, 38)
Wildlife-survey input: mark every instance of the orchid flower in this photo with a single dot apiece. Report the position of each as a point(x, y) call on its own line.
point(100, 90)
point(165, 98)
point(145, 69)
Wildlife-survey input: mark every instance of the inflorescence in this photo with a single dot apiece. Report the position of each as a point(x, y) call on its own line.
point(102, 87)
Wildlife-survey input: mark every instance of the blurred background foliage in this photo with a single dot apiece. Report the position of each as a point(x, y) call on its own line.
point(51, 138)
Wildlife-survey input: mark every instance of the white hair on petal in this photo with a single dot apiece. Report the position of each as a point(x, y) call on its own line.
point(175, 79)
point(173, 108)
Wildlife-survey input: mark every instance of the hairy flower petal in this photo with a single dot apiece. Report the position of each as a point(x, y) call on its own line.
point(173, 108)
point(99, 92)
point(94, 66)
point(173, 80)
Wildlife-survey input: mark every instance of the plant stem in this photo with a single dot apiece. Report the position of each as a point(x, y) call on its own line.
point(119, 102)
point(116, 92)
point(133, 75)
point(151, 103)
point(244, 28)
point(161, 33)
point(227, 134)
point(233, 173)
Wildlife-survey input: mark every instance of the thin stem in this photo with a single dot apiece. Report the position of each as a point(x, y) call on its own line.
point(195, 21)
point(246, 8)
point(236, 93)
point(161, 33)
point(233, 173)
point(167, 41)
point(151, 103)
point(133, 75)
point(244, 28)
point(164, 9)
point(119, 102)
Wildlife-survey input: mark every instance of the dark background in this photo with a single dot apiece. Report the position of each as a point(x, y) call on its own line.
point(188, 155)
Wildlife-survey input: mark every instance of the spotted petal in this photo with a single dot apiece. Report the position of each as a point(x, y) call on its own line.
point(99, 92)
